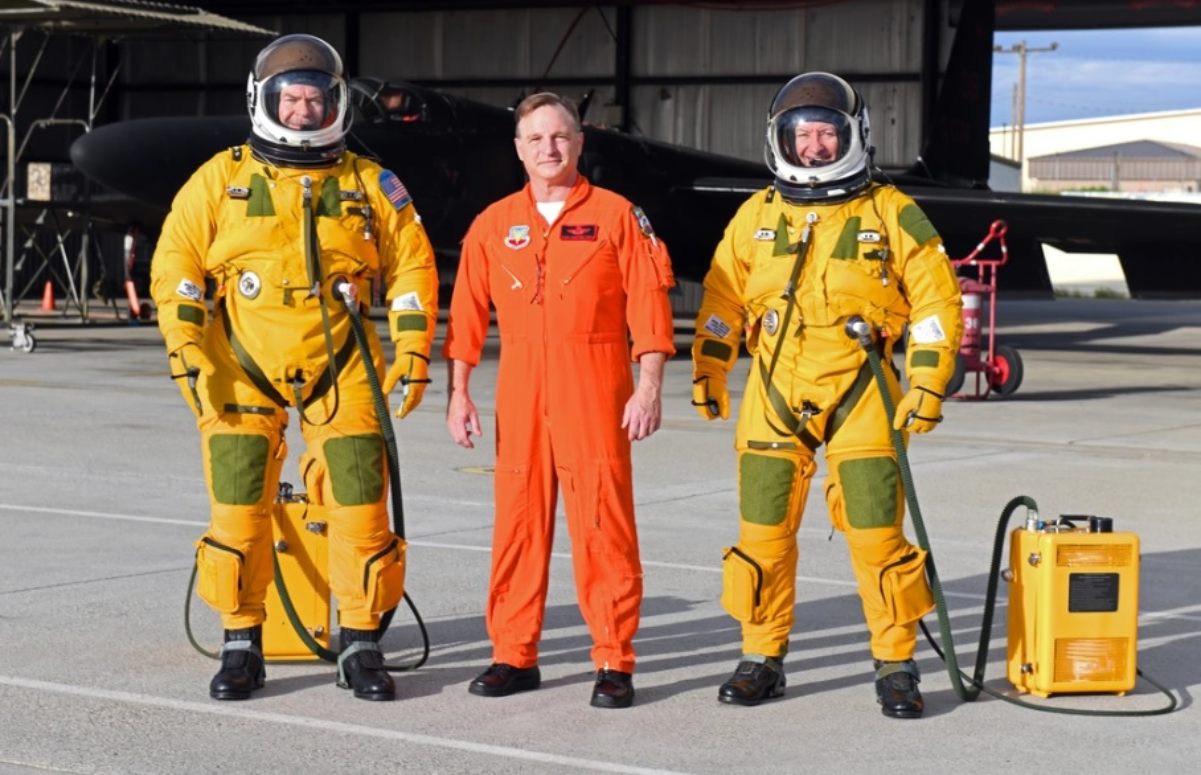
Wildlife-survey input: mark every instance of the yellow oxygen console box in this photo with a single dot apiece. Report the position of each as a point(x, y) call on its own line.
point(1073, 607)
point(300, 535)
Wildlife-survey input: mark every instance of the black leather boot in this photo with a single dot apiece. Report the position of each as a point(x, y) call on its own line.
point(753, 682)
point(613, 689)
point(501, 680)
point(242, 668)
point(896, 689)
point(361, 666)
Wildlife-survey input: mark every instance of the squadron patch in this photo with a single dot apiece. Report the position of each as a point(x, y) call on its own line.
point(396, 192)
point(407, 303)
point(519, 237)
point(189, 290)
point(928, 331)
point(644, 223)
point(766, 235)
point(771, 322)
point(717, 327)
point(571, 231)
point(249, 285)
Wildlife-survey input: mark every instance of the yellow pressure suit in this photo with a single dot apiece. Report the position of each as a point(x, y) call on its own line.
point(240, 223)
point(876, 256)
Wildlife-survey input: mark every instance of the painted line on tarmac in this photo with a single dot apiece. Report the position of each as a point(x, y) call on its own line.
point(327, 726)
point(435, 545)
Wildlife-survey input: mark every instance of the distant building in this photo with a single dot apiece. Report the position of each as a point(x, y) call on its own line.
point(1140, 166)
point(1154, 144)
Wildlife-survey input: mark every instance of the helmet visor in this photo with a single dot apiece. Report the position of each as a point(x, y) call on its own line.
point(303, 100)
point(812, 136)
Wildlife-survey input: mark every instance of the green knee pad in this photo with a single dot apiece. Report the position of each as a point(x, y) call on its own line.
point(764, 486)
point(871, 497)
point(238, 465)
point(356, 468)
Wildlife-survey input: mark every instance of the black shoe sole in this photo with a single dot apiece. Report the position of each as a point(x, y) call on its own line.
point(376, 697)
point(505, 691)
point(732, 699)
point(901, 713)
point(605, 701)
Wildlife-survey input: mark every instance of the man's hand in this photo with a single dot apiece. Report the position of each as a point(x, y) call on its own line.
point(919, 411)
point(462, 420)
point(643, 413)
point(710, 397)
point(411, 371)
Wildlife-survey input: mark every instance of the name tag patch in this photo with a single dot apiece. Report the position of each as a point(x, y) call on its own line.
point(575, 231)
point(766, 235)
point(869, 236)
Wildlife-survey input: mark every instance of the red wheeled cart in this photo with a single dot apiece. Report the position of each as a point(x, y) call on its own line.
point(999, 369)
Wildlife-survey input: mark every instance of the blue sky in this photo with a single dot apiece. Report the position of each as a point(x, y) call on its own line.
point(1099, 73)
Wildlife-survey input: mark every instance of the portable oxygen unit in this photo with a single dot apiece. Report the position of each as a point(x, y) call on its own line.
point(1073, 607)
point(300, 536)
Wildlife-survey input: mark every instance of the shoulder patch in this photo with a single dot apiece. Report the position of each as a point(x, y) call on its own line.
point(916, 224)
point(396, 192)
point(644, 223)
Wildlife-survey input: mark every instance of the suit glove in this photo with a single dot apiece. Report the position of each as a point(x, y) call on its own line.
point(710, 396)
point(410, 370)
point(919, 411)
point(192, 362)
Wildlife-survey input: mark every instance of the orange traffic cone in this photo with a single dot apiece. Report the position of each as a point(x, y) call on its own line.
point(48, 297)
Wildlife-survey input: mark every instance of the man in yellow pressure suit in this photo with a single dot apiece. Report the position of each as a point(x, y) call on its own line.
point(821, 245)
point(291, 228)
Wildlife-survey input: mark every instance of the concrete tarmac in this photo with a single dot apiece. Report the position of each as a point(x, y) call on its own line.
point(101, 497)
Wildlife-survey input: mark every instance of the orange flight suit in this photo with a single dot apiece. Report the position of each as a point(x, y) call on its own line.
point(568, 296)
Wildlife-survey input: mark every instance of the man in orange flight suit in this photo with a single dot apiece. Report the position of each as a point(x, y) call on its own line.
point(573, 271)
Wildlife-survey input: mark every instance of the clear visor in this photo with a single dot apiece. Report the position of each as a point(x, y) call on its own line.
point(303, 100)
point(812, 136)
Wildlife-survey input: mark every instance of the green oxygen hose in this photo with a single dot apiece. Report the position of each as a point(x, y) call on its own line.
point(857, 328)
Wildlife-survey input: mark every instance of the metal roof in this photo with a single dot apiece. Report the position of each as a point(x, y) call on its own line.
point(1137, 149)
point(119, 18)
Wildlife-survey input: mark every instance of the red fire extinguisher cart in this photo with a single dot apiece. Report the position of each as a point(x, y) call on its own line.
point(999, 368)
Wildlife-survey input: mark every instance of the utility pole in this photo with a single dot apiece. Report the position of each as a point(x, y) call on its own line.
point(1019, 119)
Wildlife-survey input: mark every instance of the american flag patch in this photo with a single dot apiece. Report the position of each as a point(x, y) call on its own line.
point(396, 192)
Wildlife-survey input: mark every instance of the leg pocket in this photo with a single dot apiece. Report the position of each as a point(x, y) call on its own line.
point(904, 588)
point(742, 586)
point(218, 574)
point(384, 577)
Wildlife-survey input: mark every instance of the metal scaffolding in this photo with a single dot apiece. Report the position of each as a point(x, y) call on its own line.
point(57, 236)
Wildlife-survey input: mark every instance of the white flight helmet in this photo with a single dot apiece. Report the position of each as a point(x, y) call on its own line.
point(298, 102)
point(817, 139)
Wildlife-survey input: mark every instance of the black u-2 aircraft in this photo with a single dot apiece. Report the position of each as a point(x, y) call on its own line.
point(456, 156)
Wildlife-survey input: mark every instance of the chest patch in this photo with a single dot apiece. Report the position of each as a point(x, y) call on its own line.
point(518, 237)
point(766, 235)
point(869, 236)
point(575, 231)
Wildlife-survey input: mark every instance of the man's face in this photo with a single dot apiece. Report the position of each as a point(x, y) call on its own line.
point(816, 143)
point(301, 106)
point(549, 145)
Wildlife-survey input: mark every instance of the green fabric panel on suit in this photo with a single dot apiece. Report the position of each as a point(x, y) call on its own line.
point(191, 314)
point(330, 203)
point(916, 224)
point(869, 491)
point(259, 205)
point(764, 485)
point(356, 468)
point(410, 323)
point(920, 359)
point(848, 242)
point(782, 246)
point(238, 462)
point(715, 349)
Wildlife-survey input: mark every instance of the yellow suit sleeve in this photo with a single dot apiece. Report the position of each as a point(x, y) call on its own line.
point(719, 320)
point(932, 290)
point(408, 270)
point(177, 270)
